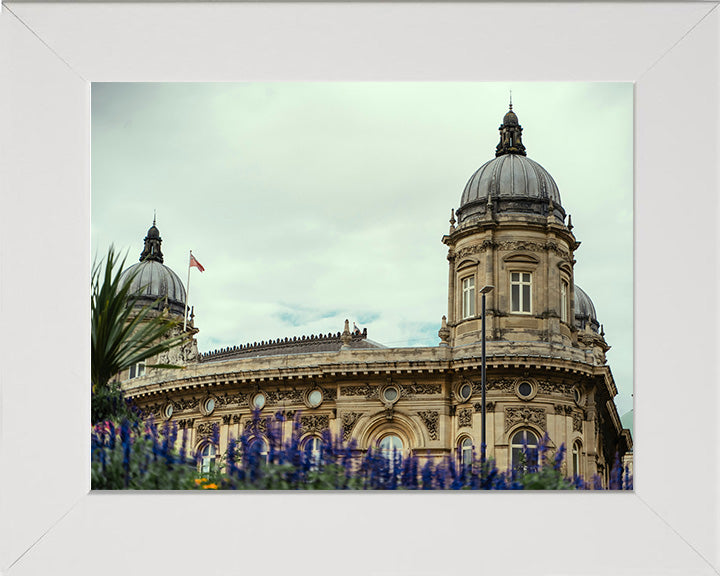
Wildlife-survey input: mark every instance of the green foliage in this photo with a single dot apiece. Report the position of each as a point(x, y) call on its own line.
point(122, 334)
point(108, 403)
point(545, 478)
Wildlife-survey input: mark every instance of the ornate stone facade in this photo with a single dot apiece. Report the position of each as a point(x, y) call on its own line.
point(546, 368)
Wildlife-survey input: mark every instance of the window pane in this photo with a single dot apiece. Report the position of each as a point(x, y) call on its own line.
point(518, 438)
point(515, 298)
point(531, 438)
point(526, 298)
point(515, 277)
point(526, 277)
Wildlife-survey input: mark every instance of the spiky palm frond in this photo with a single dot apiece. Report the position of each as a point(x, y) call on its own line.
point(123, 335)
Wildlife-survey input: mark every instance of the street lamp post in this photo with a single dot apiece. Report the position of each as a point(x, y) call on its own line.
point(483, 445)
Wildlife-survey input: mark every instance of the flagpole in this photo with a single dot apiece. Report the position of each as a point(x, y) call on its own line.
point(187, 294)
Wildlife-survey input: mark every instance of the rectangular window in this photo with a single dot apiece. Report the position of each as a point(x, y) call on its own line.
point(564, 301)
point(137, 370)
point(520, 291)
point(468, 297)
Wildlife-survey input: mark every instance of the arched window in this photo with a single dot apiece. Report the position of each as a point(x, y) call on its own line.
point(390, 446)
point(313, 447)
point(520, 439)
point(465, 450)
point(260, 447)
point(207, 458)
point(576, 451)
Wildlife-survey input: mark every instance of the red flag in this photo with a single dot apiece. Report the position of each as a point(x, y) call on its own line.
point(195, 263)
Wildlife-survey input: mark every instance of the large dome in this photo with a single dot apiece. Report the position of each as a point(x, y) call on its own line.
point(151, 280)
point(511, 182)
point(585, 315)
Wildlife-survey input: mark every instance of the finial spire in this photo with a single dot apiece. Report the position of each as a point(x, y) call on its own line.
point(510, 135)
point(154, 208)
point(152, 250)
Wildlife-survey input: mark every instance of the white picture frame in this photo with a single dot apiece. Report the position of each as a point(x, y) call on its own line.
point(51, 524)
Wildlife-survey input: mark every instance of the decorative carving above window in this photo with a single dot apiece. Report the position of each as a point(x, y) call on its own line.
point(525, 415)
point(430, 418)
point(349, 419)
point(314, 423)
point(465, 417)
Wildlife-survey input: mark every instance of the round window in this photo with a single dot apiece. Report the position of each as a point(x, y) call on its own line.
point(576, 394)
point(209, 405)
point(315, 398)
point(390, 394)
point(525, 389)
point(168, 411)
point(465, 392)
point(258, 401)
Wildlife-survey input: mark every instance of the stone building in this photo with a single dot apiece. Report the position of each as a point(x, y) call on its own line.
point(546, 365)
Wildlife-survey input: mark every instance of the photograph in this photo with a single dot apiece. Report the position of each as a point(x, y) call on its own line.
point(362, 286)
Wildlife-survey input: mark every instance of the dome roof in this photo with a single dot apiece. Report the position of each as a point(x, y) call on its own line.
point(510, 118)
point(511, 182)
point(510, 176)
point(585, 315)
point(515, 183)
point(152, 280)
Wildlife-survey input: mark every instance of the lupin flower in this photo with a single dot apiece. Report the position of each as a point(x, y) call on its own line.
point(559, 457)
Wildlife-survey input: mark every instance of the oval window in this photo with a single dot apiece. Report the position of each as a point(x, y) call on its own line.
point(525, 389)
point(465, 392)
point(315, 398)
point(258, 401)
point(390, 394)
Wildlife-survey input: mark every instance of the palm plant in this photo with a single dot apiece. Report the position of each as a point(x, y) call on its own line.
point(122, 334)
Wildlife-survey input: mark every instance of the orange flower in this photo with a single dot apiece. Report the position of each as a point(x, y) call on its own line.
point(199, 481)
point(210, 486)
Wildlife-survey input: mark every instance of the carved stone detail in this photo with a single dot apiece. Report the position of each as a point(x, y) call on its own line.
point(416, 388)
point(349, 419)
point(284, 396)
point(186, 403)
point(187, 423)
point(314, 423)
point(489, 406)
point(546, 387)
point(262, 425)
point(430, 418)
point(577, 422)
point(559, 409)
point(465, 417)
point(205, 429)
point(502, 384)
point(525, 415)
point(228, 399)
point(366, 390)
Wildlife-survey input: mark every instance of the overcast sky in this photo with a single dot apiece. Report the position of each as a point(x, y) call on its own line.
point(315, 202)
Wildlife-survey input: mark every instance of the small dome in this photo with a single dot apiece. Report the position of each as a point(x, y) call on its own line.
point(153, 232)
point(585, 316)
point(510, 119)
point(516, 183)
point(154, 280)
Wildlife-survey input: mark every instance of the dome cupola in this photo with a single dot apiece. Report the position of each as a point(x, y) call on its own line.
point(585, 315)
point(151, 280)
point(511, 182)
